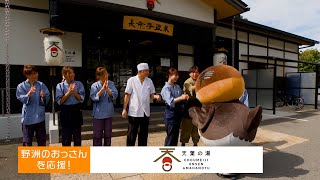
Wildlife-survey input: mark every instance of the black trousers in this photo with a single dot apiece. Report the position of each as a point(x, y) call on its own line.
point(28, 133)
point(172, 134)
point(71, 121)
point(133, 130)
point(102, 128)
point(172, 120)
point(69, 133)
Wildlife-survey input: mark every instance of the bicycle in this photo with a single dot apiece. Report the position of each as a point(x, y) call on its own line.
point(296, 102)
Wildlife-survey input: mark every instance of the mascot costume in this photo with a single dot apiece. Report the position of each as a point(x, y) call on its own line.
point(224, 120)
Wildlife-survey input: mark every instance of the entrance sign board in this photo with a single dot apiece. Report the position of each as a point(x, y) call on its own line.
point(145, 24)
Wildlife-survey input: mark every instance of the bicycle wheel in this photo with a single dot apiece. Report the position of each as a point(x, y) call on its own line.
point(297, 103)
point(279, 102)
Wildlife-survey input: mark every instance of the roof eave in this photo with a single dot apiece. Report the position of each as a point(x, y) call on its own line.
point(240, 5)
point(300, 39)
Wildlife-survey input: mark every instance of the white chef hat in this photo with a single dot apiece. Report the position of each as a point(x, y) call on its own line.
point(142, 66)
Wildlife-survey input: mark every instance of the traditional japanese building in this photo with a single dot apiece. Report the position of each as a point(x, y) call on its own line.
point(119, 34)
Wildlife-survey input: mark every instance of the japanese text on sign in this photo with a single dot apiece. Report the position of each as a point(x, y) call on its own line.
point(145, 24)
point(53, 159)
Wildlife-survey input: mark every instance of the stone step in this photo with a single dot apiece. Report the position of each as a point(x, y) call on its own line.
point(116, 132)
point(120, 123)
point(120, 127)
point(87, 118)
point(87, 135)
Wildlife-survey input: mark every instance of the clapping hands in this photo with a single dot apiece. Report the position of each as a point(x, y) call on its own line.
point(105, 85)
point(32, 90)
point(42, 93)
point(72, 87)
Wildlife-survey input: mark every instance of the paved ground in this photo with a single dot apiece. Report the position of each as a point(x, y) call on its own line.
point(291, 144)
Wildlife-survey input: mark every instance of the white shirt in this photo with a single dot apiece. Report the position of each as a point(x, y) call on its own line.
point(139, 103)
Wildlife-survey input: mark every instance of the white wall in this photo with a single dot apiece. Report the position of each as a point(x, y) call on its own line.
point(263, 51)
point(192, 9)
point(185, 61)
point(276, 43)
point(292, 56)
point(291, 47)
point(39, 4)
point(224, 32)
point(256, 39)
point(242, 36)
point(26, 41)
point(280, 69)
point(276, 53)
point(14, 127)
point(243, 50)
point(257, 50)
point(242, 65)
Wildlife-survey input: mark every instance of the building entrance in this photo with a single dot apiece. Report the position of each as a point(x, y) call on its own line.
point(106, 42)
point(122, 56)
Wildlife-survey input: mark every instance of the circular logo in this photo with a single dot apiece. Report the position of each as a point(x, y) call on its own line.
point(167, 164)
point(150, 4)
point(54, 51)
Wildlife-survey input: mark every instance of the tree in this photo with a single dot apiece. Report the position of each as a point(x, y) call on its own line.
point(311, 56)
point(241, 17)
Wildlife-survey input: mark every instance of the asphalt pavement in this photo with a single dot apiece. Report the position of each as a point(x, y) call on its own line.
point(290, 140)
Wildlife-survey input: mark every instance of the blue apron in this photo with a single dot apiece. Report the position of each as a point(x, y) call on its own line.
point(173, 115)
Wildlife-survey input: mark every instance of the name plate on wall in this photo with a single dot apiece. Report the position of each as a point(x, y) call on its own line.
point(144, 24)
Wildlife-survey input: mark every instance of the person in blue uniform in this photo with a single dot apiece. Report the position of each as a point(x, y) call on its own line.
point(70, 95)
point(34, 95)
point(173, 96)
point(103, 93)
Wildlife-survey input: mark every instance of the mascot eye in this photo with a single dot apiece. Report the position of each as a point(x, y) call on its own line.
point(206, 75)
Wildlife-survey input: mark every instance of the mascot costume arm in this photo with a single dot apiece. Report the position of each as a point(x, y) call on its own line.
point(253, 122)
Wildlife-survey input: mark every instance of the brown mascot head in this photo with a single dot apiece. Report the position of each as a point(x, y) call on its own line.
point(224, 120)
point(221, 83)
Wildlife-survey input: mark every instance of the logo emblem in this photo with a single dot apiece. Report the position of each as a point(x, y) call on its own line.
point(167, 164)
point(150, 4)
point(54, 48)
point(167, 161)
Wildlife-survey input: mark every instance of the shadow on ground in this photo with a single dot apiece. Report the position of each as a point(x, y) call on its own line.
point(287, 118)
point(279, 164)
